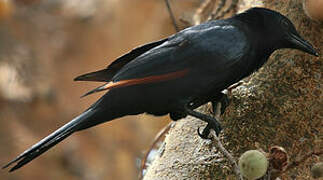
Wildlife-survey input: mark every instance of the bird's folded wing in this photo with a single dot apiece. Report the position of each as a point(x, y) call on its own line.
point(191, 52)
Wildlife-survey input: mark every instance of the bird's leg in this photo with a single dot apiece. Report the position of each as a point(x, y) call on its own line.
point(212, 123)
point(223, 99)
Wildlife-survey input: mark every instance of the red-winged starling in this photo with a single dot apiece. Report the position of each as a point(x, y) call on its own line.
point(179, 73)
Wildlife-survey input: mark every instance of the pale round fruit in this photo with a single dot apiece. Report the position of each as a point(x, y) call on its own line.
point(253, 164)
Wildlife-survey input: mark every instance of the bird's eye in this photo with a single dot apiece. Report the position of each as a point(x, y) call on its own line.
point(284, 24)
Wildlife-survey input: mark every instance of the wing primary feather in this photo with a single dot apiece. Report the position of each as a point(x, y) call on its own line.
point(98, 89)
point(105, 75)
point(101, 75)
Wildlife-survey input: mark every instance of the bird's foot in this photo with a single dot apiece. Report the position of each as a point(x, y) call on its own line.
point(216, 126)
point(212, 123)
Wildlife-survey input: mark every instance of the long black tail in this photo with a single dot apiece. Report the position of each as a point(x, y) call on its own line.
point(51, 140)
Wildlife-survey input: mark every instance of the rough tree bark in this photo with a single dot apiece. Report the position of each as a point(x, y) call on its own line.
point(281, 104)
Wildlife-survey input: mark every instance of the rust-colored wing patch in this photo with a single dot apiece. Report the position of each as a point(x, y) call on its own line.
point(144, 80)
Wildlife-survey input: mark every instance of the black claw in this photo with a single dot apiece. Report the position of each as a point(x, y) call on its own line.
point(205, 133)
point(212, 123)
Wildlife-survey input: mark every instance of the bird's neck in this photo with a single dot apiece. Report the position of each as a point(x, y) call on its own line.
point(261, 44)
point(261, 51)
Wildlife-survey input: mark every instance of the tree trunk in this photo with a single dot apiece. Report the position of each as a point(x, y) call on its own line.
point(281, 104)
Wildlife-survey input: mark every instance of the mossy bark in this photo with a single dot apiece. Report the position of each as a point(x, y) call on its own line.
point(281, 104)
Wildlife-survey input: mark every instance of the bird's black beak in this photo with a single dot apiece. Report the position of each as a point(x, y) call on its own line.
point(301, 44)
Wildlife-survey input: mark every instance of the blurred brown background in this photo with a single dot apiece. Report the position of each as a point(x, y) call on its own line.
point(44, 44)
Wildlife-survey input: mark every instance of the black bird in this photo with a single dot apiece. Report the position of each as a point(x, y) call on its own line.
point(179, 73)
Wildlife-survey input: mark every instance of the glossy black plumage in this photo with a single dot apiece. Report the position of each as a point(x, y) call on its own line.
point(199, 62)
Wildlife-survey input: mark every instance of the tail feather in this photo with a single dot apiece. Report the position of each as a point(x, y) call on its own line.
point(50, 141)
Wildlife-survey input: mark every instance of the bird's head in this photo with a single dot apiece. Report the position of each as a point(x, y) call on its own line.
point(276, 29)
